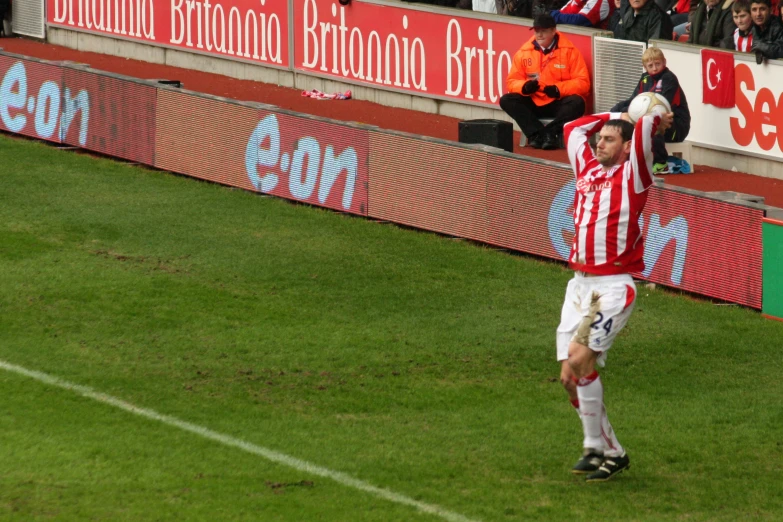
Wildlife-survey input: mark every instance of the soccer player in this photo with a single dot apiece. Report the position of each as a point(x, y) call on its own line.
point(611, 191)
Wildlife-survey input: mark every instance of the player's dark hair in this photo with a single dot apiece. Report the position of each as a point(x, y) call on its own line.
point(765, 2)
point(739, 6)
point(625, 128)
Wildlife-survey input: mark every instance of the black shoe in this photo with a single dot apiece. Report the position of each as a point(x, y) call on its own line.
point(536, 140)
point(610, 467)
point(550, 142)
point(589, 463)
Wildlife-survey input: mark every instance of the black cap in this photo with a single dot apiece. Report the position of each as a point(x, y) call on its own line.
point(544, 21)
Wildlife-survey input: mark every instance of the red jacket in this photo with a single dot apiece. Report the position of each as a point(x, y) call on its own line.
point(563, 67)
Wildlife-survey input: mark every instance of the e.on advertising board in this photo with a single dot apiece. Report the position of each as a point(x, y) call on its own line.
point(249, 30)
point(405, 49)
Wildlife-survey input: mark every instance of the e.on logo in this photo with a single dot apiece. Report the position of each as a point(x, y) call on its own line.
point(270, 157)
point(763, 117)
point(18, 101)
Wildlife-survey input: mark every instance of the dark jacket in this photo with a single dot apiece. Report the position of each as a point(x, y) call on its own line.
point(650, 22)
point(667, 84)
point(710, 32)
point(769, 40)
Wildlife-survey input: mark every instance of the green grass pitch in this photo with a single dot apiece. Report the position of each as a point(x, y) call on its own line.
point(413, 362)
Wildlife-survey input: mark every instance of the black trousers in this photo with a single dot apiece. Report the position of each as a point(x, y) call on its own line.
point(527, 114)
point(674, 134)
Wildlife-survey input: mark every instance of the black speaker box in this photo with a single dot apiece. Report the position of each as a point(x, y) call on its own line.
point(495, 133)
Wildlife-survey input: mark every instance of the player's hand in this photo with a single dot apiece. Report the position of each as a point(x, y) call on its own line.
point(667, 120)
point(624, 116)
point(530, 87)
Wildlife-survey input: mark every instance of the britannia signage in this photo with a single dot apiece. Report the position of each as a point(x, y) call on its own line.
point(422, 52)
point(255, 31)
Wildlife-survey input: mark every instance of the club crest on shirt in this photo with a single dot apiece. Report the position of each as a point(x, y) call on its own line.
point(591, 185)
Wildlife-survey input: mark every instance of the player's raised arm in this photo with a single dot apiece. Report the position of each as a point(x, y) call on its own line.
point(641, 151)
point(576, 134)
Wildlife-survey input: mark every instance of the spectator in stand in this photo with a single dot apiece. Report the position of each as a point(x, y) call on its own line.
point(642, 20)
point(487, 6)
point(548, 79)
point(711, 22)
point(741, 39)
point(459, 4)
point(767, 32)
point(614, 18)
point(658, 78)
point(679, 13)
point(588, 13)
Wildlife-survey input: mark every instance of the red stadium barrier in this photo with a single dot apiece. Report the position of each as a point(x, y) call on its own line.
point(697, 243)
point(704, 245)
point(203, 137)
point(520, 197)
point(104, 110)
point(428, 184)
point(294, 157)
point(694, 243)
point(30, 96)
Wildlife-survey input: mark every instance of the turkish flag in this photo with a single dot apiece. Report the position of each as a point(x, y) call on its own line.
point(717, 78)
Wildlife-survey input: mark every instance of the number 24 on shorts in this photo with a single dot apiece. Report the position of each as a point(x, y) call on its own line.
point(599, 317)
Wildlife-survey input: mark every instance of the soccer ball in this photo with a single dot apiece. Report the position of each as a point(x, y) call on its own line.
point(648, 102)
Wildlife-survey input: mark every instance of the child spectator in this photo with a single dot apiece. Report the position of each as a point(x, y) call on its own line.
point(658, 78)
point(741, 39)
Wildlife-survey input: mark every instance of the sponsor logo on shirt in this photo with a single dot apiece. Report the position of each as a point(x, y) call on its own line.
point(584, 186)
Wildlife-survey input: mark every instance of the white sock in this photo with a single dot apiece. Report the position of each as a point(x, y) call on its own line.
point(591, 408)
point(612, 447)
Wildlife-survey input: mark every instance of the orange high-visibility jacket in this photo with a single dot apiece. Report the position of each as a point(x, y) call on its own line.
point(563, 67)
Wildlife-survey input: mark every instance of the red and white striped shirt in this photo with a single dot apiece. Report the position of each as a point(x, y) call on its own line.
point(608, 203)
point(742, 42)
point(594, 10)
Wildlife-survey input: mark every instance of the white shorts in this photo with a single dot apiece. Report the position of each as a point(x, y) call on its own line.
point(596, 308)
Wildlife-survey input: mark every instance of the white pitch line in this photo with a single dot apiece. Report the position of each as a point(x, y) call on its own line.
point(227, 440)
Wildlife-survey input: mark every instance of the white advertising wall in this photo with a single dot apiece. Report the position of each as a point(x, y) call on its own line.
point(754, 126)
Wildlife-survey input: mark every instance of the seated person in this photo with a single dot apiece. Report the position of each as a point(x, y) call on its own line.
point(658, 78)
point(614, 18)
point(640, 21)
point(767, 32)
point(588, 13)
point(711, 22)
point(548, 79)
point(741, 39)
point(679, 13)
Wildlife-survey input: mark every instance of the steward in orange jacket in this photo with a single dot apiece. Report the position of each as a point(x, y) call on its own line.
point(548, 80)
